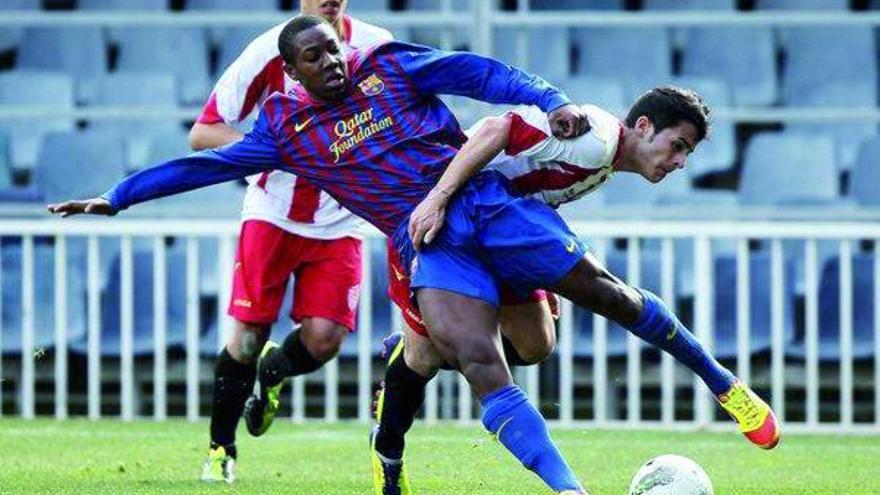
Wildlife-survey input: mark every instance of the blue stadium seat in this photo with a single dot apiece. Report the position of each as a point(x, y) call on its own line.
point(79, 164)
point(122, 4)
point(576, 4)
point(840, 94)
point(728, 5)
point(448, 39)
point(231, 5)
point(79, 51)
point(548, 51)
point(44, 295)
point(111, 322)
point(866, 174)
point(356, 8)
point(803, 4)
point(10, 37)
point(631, 56)
point(156, 90)
point(759, 304)
point(606, 93)
point(49, 91)
point(718, 152)
point(742, 56)
point(805, 164)
point(863, 288)
point(159, 49)
point(233, 42)
point(168, 145)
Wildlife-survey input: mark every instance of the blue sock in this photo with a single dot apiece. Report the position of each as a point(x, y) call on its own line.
point(661, 328)
point(508, 414)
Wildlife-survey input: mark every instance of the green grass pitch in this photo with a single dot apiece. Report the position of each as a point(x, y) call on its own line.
point(83, 457)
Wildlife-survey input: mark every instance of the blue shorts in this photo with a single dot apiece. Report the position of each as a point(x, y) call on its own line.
point(492, 236)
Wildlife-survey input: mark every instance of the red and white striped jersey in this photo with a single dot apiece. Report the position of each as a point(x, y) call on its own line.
point(553, 170)
point(281, 198)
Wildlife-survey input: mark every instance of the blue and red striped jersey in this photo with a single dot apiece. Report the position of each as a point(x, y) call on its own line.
point(378, 151)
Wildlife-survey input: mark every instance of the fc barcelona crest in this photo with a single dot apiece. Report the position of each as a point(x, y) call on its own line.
point(372, 85)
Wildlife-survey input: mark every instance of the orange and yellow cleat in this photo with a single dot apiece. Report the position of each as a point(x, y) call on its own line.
point(755, 418)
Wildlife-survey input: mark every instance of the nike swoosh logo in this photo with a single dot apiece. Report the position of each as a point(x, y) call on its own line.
point(570, 246)
point(673, 329)
point(300, 126)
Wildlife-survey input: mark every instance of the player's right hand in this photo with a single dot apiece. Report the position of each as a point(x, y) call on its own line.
point(427, 219)
point(92, 206)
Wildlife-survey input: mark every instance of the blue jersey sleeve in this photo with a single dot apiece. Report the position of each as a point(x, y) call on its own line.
point(256, 152)
point(467, 74)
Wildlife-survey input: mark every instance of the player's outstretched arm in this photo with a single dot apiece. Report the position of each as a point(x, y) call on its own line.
point(489, 139)
point(92, 206)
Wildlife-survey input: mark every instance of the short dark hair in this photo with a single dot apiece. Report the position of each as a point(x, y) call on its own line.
point(296, 25)
point(667, 106)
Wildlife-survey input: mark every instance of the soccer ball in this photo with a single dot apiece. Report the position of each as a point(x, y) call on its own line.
point(670, 475)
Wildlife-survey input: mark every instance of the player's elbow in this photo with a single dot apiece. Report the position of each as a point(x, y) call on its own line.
point(496, 130)
point(198, 137)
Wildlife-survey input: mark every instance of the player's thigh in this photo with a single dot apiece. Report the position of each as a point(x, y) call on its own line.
point(265, 258)
point(328, 282)
point(590, 285)
point(419, 352)
point(529, 327)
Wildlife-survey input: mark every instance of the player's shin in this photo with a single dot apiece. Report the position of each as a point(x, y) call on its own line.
point(233, 382)
point(508, 414)
point(401, 399)
point(659, 326)
point(292, 358)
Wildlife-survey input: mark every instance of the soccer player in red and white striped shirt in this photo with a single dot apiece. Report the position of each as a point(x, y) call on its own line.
point(289, 227)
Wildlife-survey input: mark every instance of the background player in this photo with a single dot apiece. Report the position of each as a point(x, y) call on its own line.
point(288, 227)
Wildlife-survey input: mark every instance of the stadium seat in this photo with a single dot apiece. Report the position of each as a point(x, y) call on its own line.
point(233, 42)
point(631, 56)
point(805, 164)
point(142, 283)
point(159, 49)
point(447, 39)
point(155, 90)
point(576, 4)
point(78, 51)
point(43, 295)
point(863, 288)
point(122, 4)
point(718, 152)
point(10, 37)
point(803, 4)
point(548, 51)
point(866, 175)
point(356, 8)
point(725, 285)
point(606, 93)
point(847, 135)
point(231, 5)
point(742, 56)
point(79, 164)
point(47, 91)
point(728, 5)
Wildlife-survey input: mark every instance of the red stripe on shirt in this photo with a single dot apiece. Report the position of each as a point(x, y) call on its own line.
point(522, 135)
point(346, 29)
point(209, 114)
point(545, 179)
point(269, 80)
point(304, 205)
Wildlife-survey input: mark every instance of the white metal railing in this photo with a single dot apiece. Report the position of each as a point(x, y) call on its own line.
point(607, 411)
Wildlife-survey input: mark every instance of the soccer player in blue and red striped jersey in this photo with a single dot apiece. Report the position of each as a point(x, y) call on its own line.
point(369, 131)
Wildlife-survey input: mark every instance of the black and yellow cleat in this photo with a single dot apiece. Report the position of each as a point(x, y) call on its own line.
point(261, 406)
point(389, 475)
point(219, 466)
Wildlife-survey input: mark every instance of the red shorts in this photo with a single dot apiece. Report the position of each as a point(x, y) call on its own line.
point(398, 291)
point(327, 273)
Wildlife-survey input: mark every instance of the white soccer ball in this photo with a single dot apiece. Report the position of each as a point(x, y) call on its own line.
point(670, 475)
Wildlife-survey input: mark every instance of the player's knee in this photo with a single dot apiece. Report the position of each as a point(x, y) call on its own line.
point(323, 338)
point(247, 341)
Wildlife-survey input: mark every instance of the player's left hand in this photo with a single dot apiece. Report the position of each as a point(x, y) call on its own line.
point(93, 206)
point(427, 219)
point(568, 121)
